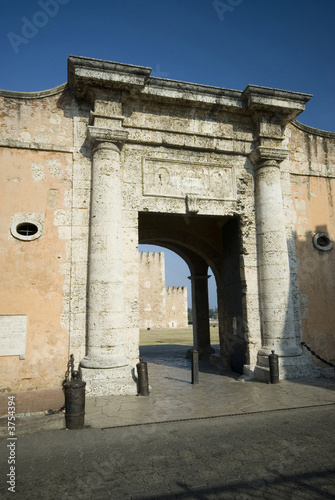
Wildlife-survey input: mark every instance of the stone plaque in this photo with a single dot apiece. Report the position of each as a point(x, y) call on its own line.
point(177, 179)
point(13, 335)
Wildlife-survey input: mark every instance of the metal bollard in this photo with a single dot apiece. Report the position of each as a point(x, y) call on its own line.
point(143, 381)
point(195, 366)
point(75, 402)
point(274, 368)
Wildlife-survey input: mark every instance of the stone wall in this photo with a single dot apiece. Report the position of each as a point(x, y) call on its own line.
point(36, 165)
point(312, 175)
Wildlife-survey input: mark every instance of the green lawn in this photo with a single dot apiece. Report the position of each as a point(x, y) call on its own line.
point(173, 336)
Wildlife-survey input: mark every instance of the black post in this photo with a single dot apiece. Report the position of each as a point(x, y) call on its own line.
point(195, 366)
point(274, 368)
point(75, 402)
point(143, 380)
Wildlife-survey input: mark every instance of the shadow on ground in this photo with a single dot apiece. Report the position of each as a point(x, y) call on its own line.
point(174, 355)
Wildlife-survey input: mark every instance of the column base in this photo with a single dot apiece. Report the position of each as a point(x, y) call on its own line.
point(104, 361)
point(203, 351)
point(290, 367)
point(115, 381)
point(281, 350)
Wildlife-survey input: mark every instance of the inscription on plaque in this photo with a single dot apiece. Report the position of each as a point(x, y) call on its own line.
point(176, 179)
point(13, 335)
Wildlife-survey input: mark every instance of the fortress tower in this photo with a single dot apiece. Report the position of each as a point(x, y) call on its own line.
point(160, 307)
point(176, 307)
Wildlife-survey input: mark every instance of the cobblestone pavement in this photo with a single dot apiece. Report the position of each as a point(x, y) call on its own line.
point(275, 455)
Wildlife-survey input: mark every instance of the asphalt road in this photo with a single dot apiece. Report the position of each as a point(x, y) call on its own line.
point(272, 455)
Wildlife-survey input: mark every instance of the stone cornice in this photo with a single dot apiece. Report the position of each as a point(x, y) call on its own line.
point(98, 135)
point(12, 94)
point(313, 131)
point(171, 90)
point(287, 104)
point(36, 146)
point(263, 154)
point(85, 75)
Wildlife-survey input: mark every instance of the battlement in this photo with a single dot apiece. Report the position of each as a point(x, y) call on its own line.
point(174, 290)
point(152, 257)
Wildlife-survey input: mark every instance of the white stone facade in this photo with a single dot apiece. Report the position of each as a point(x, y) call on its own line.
point(124, 158)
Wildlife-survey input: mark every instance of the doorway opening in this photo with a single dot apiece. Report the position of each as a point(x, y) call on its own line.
point(210, 246)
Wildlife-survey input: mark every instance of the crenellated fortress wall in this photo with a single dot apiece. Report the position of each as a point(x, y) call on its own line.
point(160, 306)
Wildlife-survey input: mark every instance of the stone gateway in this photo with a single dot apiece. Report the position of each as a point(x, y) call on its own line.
point(225, 178)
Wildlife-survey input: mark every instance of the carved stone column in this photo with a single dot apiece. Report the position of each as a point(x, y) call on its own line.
point(105, 367)
point(278, 331)
point(201, 332)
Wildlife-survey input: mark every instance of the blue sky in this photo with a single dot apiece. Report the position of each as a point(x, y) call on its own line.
point(286, 44)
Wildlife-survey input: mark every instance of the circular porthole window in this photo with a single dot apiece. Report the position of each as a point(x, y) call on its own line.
point(26, 230)
point(323, 242)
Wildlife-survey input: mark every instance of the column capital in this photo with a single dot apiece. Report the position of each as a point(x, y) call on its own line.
point(99, 135)
point(199, 277)
point(264, 156)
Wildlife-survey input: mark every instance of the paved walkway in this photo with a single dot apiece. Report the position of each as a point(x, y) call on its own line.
point(219, 393)
point(174, 398)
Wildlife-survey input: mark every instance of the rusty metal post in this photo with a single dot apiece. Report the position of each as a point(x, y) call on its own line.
point(195, 366)
point(75, 402)
point(143, 380)
point(274, 368)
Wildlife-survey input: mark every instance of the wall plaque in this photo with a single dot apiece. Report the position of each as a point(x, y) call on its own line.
point(13, 335)
point(177, 179)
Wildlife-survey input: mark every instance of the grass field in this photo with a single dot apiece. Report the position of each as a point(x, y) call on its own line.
point(173, 336)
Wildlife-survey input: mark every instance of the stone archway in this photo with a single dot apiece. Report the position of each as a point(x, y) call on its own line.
point(205, 242)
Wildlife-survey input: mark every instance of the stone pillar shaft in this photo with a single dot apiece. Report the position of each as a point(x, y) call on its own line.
point(278, 330)
point(201, 331)
point(105, 264)
point(106, 367)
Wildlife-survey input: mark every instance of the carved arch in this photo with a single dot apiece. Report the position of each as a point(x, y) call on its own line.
point(188, 246)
